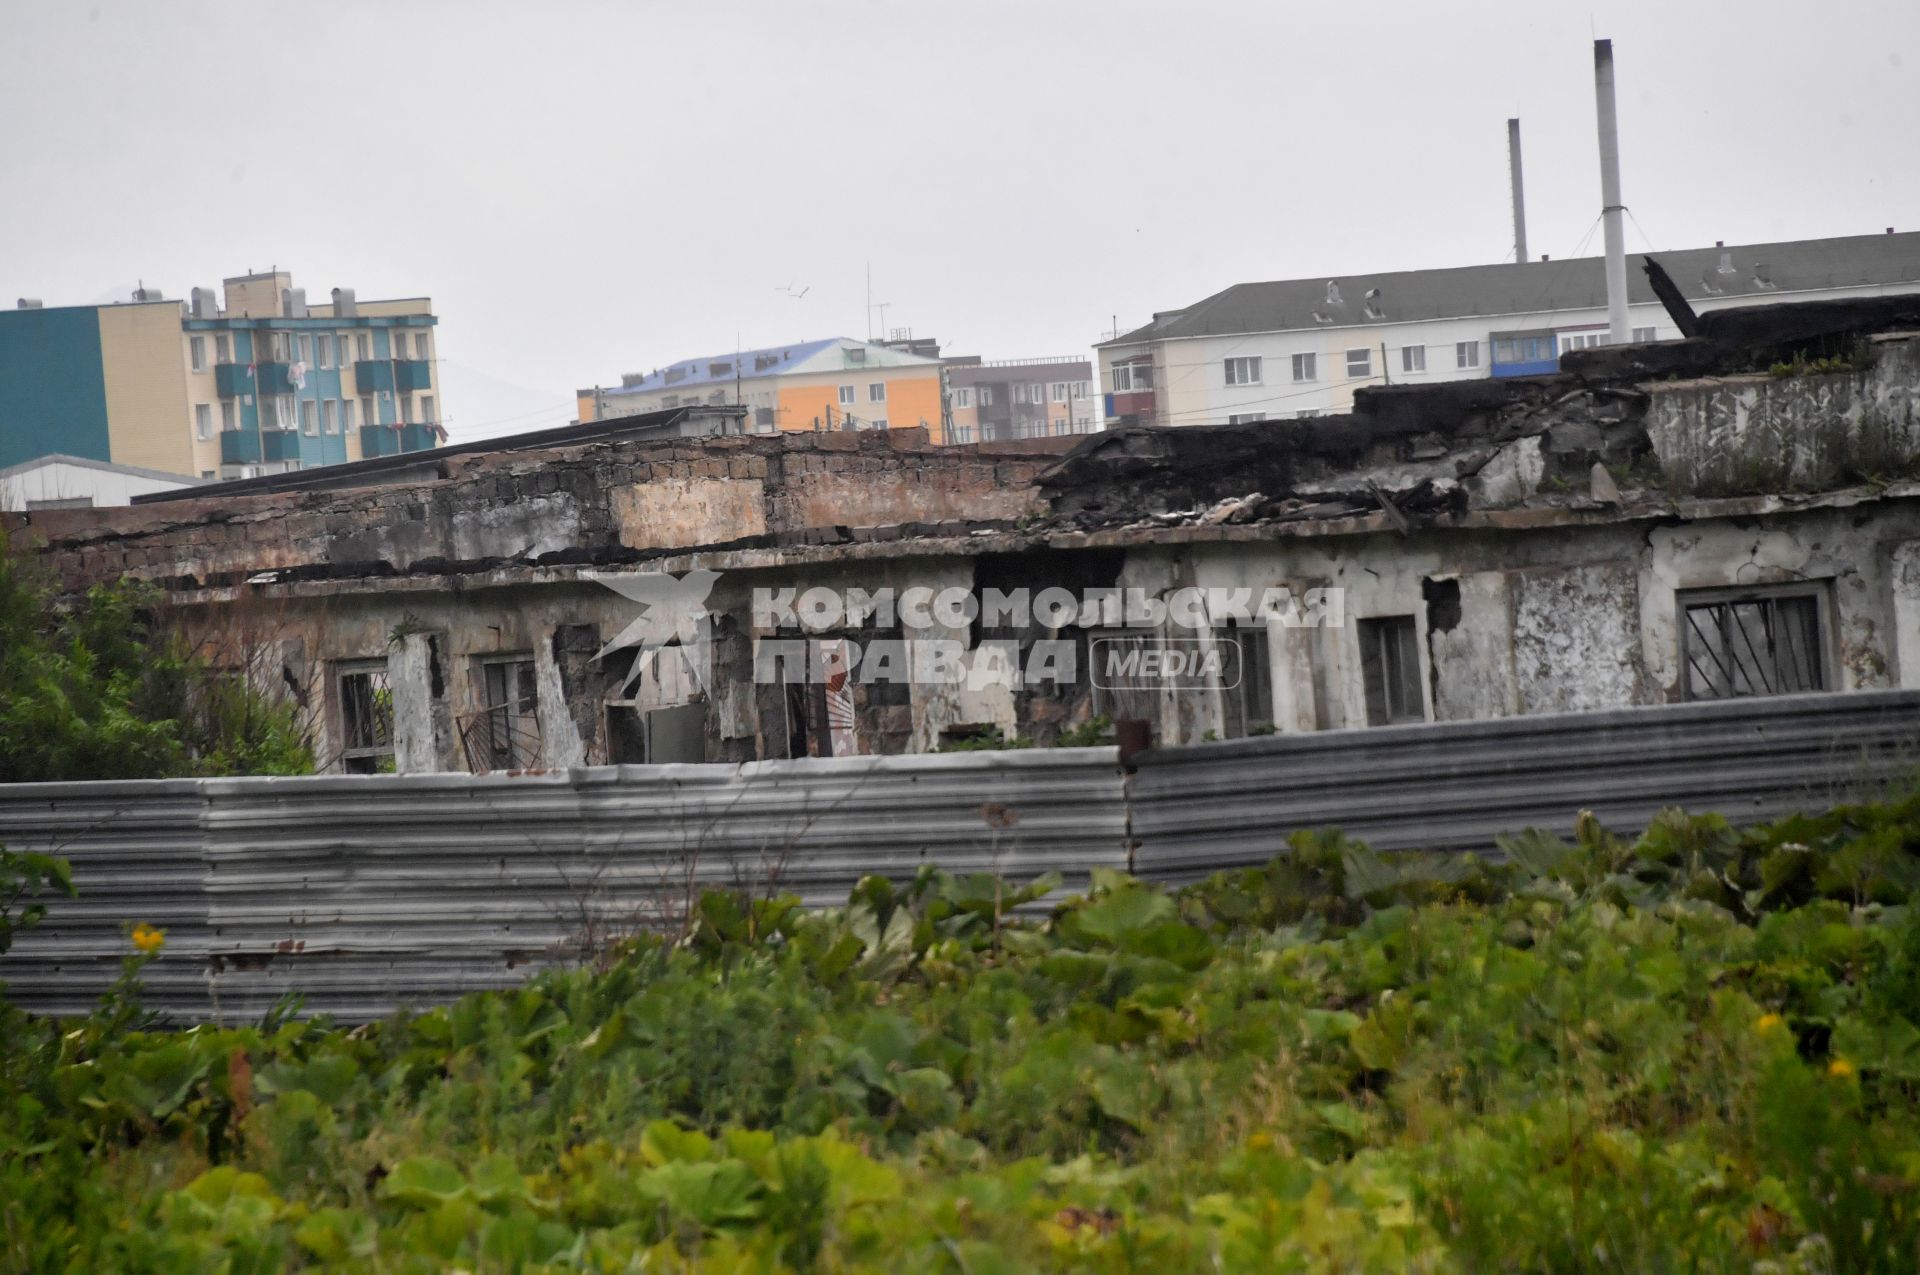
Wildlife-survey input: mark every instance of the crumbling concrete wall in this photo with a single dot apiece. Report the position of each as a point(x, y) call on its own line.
point(609, 503)
point(1794, 429)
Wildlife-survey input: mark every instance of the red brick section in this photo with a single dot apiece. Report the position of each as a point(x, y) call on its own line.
point(555, 506)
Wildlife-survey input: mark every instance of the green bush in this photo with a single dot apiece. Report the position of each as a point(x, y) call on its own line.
point(1694, 1050)
point(91, 688)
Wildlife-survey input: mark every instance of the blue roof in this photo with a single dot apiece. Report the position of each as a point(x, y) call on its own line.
point(696, 372)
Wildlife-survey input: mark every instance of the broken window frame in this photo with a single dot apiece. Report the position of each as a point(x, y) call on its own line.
point(1390, 673)
point(1788, 668)
point(1247, 705)
point(372, 709)
point(504, 734)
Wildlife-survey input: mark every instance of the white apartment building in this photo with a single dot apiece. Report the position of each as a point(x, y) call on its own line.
point(1301, 347)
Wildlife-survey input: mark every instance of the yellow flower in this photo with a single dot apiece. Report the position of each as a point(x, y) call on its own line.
point(1769, 1023)
point(149, 939)
point(1840, 1068)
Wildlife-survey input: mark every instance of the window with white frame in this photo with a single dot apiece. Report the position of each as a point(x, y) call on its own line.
point(963, 396)
point(426, 408)
point(986, 396)
point(229, 416)
point(1245, 418)
point(1020, 392)
point(1581, 340)
point(1359, 363)
point(1413, 358)
point(963, 433)
point(1059, 391)
point(406, 408)
point(1642, 336)
point(1306, 367)
point(879, 424)
point(1466, 354)
point(306, 349)
point(1132, 376)
point(1039, 393)
point(369, 414)
point(203, 421)
point(399, 344)
point(330, 417)
point(222, 348)
point(346, 414)
point(846, 396)
point(197, 352)
point(325, 343)
point(1079, 389)
point(420, 345)
point(364, 346)
point(283, 412)
point(309, 417)
point(877, 392)
point(1243, 371)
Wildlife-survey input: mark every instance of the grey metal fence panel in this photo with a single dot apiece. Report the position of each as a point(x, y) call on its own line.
point(135, 851)
point(366, 893)
point(1457, 786)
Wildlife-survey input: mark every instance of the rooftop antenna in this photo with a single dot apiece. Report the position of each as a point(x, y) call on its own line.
point(1611, 209)
point(871, 307)
point(1519, 192)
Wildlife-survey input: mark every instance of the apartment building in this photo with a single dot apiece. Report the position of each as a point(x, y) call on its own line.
point(1000, 399)
point(832, 384)
point(254, 382)
point(1301, 347)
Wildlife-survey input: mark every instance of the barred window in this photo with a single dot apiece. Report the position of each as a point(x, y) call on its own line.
point(366, 717)
point(1753, 642)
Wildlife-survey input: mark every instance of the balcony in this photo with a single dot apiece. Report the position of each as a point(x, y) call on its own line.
point(1523, 354)
point(240, 446)
point(404, 375)
point(395, 440)
point(235, 379)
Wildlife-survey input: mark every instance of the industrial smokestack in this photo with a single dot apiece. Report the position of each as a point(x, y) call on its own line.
point(1611, 209)
point(1519, 192)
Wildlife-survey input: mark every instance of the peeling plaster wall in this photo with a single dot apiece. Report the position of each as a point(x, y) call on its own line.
point(1471, 662)
point(1573, 639)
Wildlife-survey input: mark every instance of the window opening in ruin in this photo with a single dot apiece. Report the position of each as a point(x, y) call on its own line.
point(1390, 668)
point(1753, 642)
point(366, 717)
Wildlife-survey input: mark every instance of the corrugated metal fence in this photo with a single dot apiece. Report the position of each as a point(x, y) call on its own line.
point(366, 893)
point(1458, 785)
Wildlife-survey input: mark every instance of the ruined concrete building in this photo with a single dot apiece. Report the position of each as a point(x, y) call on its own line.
point(1733, 514)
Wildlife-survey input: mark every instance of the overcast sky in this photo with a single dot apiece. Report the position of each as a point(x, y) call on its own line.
point(585, 189)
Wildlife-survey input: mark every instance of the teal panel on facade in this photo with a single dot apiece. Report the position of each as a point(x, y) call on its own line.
point(375, 375)
point(240, 447)
point(233, 379)
point(413, 374)
point(53, 393)
point(418, 438)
